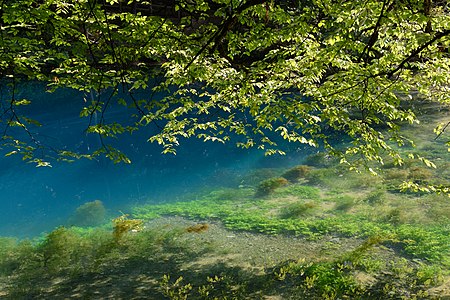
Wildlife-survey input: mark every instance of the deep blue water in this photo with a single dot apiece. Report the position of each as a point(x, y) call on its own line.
point(34, 200)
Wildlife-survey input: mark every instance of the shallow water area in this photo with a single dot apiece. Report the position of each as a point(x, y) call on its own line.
point(217, 222)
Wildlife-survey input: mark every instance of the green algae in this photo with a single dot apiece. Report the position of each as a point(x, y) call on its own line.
point(247, 214)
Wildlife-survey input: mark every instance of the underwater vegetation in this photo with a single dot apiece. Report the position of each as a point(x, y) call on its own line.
point(375, 197)
point(164, 261)
point(197, 228)
point(356, 275)
point(123, 224)
point(49, 267)
point(89, 214)
point(254, 177)
point(344, 203)
point(321, 160)
point(298, 209)
point(268, 186)
point(296, 173)
point(312, 231)
point(351, 252)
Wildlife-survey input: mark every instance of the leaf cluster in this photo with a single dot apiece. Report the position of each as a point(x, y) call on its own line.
point(254, 72)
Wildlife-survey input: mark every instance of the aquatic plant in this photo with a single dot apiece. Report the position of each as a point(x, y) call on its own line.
point(217, 287)
point(375, 197)
point(354, 256)
point(430, 243)
point(299, 191)
point(23, 264)
point(89, 214)
point(403, 179)
point(268, 186)
point(122, 225)
point(197, 228)
point(368, 271)
point(254, 177)
point(345, 202)
point(351, 276)
point(396, 216)
point(59, 249)
point(429, 275)
point(439, 208)
point(420, 174)
point(8, 247)
point(298, 209)
point(321, 160)
point(64, 256)
point(224, 285)
point(390, 252)
point(396, 174)
point(400, 280)
point(35, 264)
point(257, 215)
point(229, 194)
point(174, 290)
point(319, 176)
point(319, 280)
point(296, 173)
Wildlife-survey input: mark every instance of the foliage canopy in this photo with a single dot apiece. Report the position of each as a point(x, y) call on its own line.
point(248, 70)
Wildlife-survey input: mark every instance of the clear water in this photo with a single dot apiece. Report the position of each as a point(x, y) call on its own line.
point(34, 200)
point(354, 233)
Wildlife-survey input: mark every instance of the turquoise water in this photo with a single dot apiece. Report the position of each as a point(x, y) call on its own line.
point(34, 200)
point(215, 221)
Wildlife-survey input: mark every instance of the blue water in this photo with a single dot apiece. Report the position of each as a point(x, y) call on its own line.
point(34, 200)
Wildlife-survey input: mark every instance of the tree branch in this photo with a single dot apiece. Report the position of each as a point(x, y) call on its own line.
point(416, 52)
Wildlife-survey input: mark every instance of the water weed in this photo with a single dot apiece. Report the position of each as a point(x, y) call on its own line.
point(269, 186)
